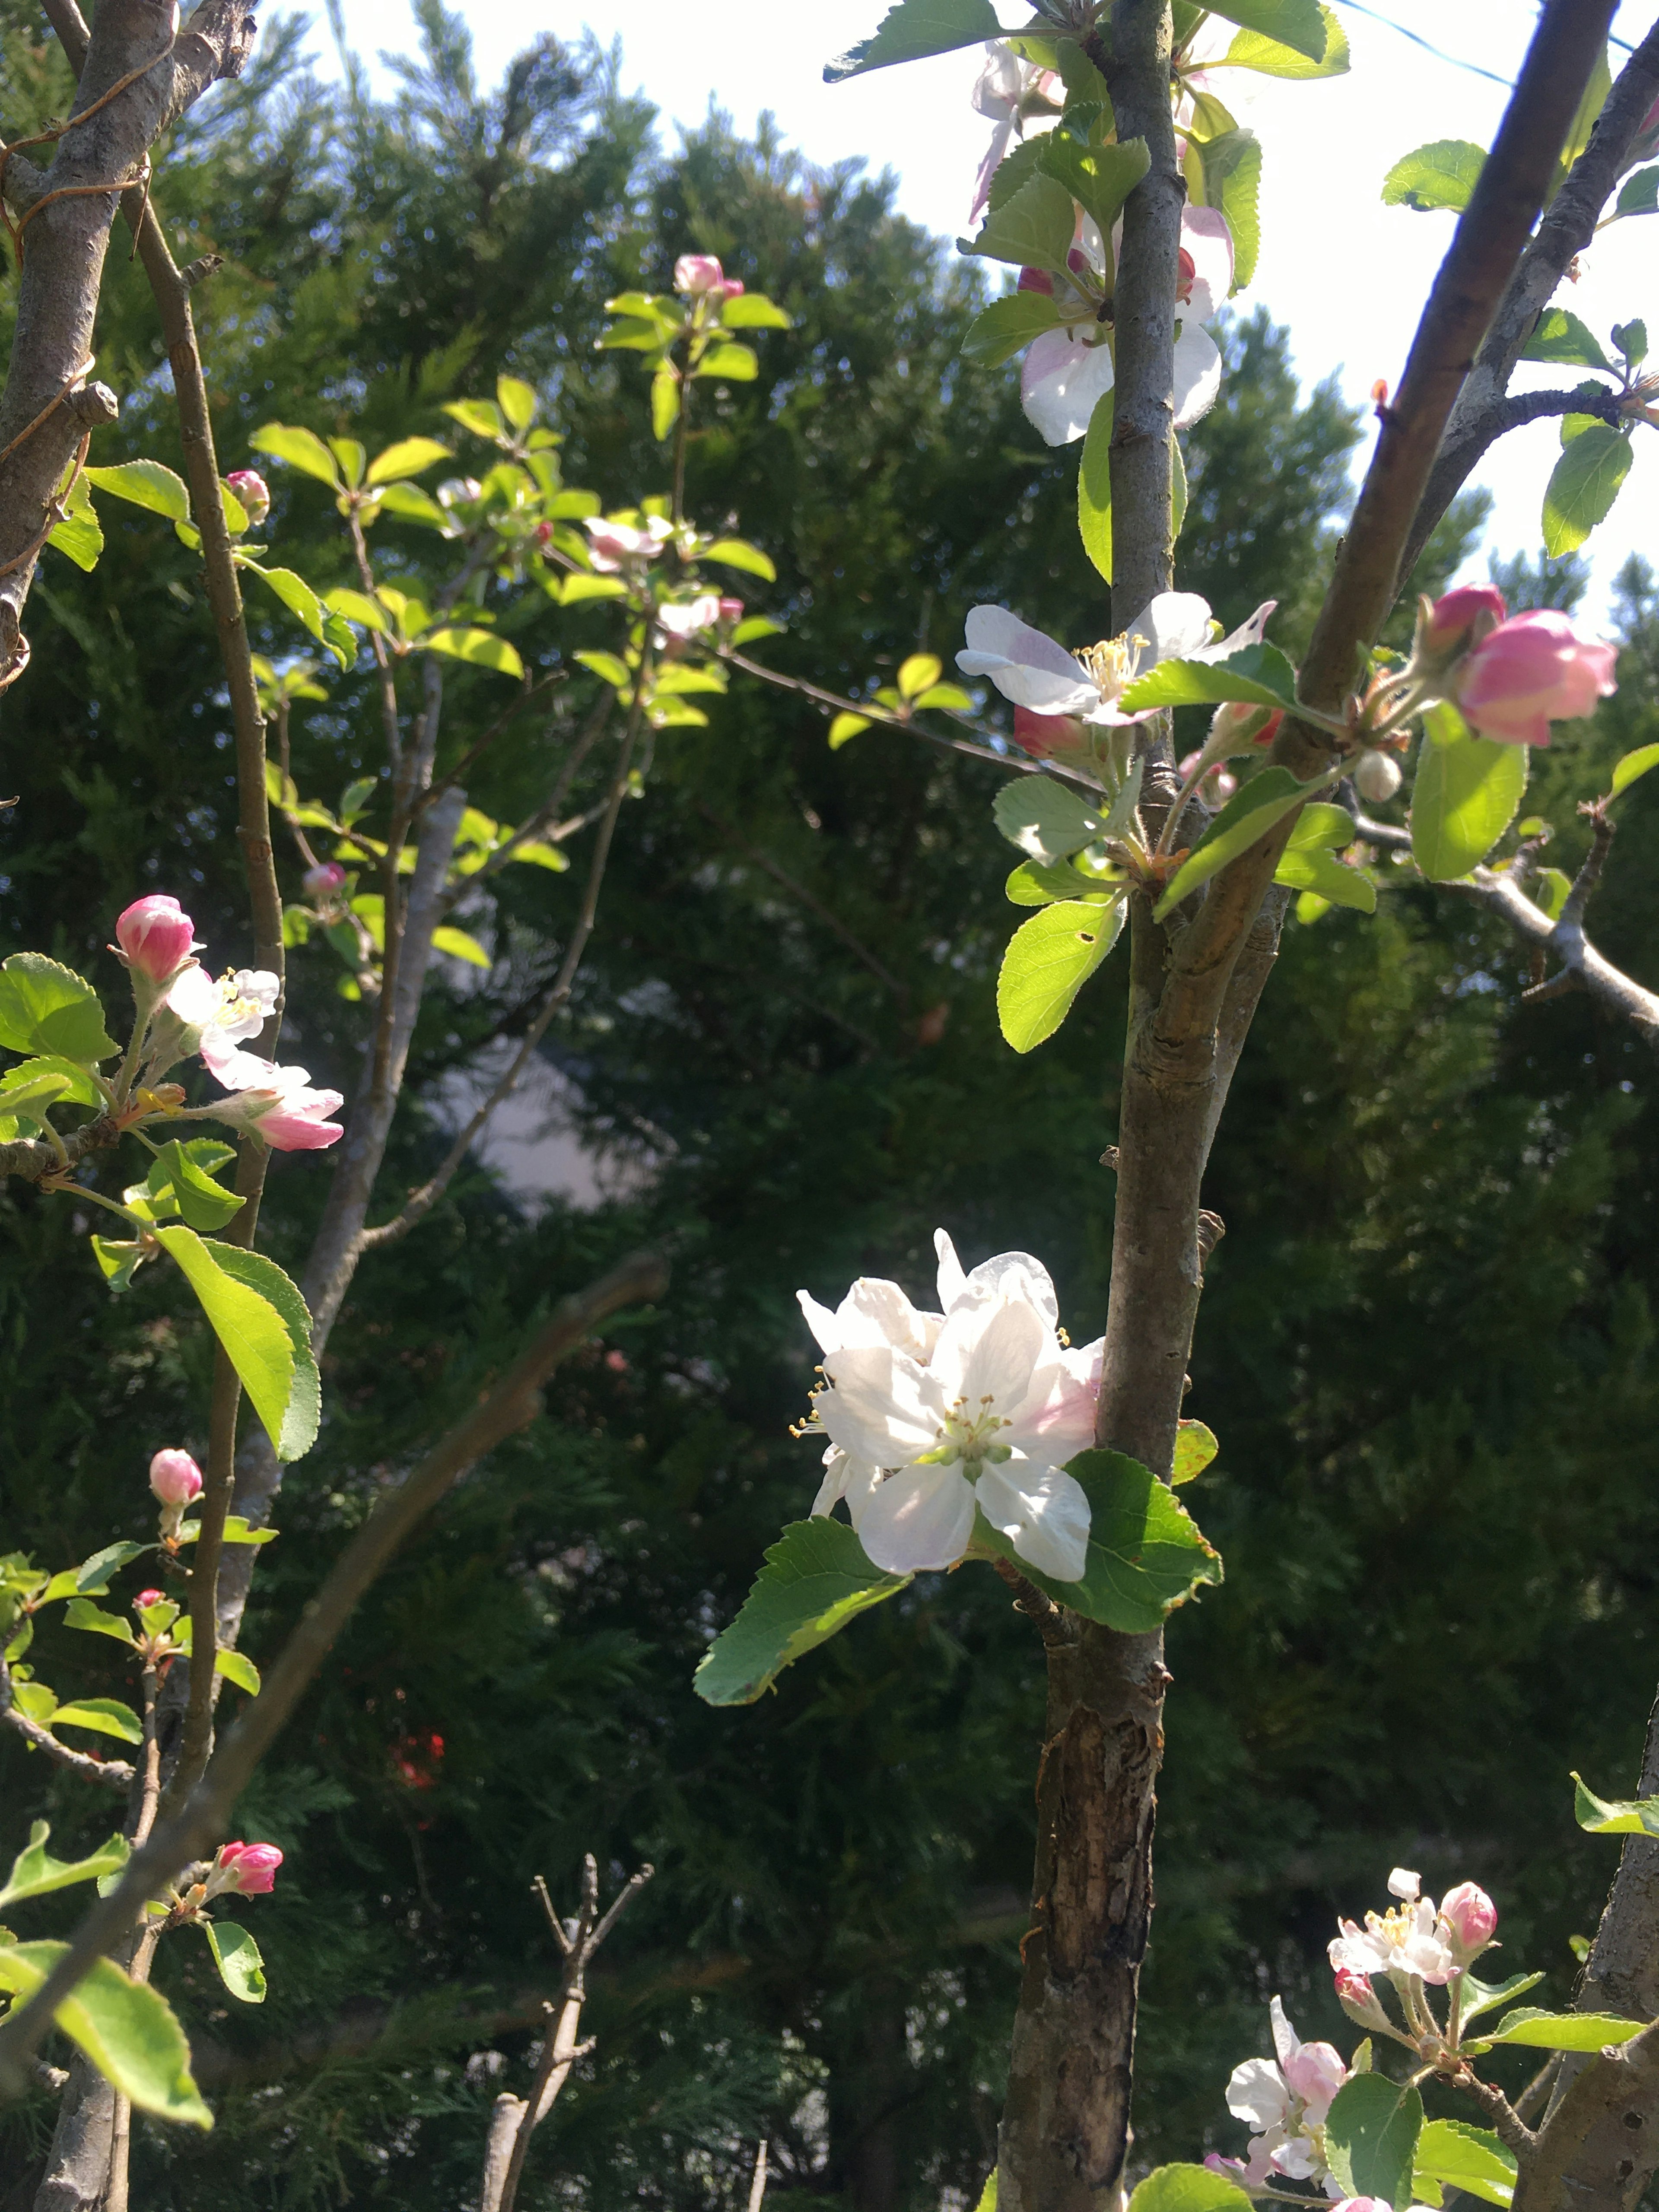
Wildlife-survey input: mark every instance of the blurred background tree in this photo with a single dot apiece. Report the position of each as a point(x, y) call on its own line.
point(1427, 1342)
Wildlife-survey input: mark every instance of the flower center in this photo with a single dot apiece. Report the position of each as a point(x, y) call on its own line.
point(967, 1434)
point(1395, 1927)
point(1114, 663)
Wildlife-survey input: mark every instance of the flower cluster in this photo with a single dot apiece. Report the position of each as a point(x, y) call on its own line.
point(933, 1416)
point(1414, 1938)
point(196, 1012)
point(1282, 2102)
point(1510, 676)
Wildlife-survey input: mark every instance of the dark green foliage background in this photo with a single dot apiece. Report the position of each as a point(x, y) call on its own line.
point(1426, 1341)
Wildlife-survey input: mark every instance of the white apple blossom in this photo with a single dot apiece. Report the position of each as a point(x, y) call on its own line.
point(1405, 1940)
point(1034, 671)
point(1005, 92)
point(930, 1414)
point(1285, 2105)
point(217, 1013)
point(1066, 372)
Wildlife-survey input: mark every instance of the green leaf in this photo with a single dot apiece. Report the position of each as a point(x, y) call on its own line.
point(1098, 178)
point(739, 553)
point(26, 1092)
point(1032, 229)
point(252, 1332)
point(352, 456)
point(254, 1272)
point(1550, 889)
point(235, 1953)
point(1045, 818)
point(119, 1261)
point(1486, 1997)
point(1259, 674)
point(1302, 25)
point(147, 484)
point(845, 726)
point(575, 589)
point(1187, 2189)
point(816, 1578)
point(1195, 1447)
point(358, 607)
point(1370, 2137)
point(756, 627)
point(1451, 2154)
point(413, 505)
point(300, 449)
point(1048, 960)
point(125, 2028)
point(80, 535)
point(1327, 876)
point(1467, 793)
point(917, 673)
point(915, 28)
point(103, 1716)
point(481, 648)
point(177, 1185)
point(1639, 194)
point(665, 401)
point(92, 1577)
point(987, 2196)
point(942, 695)
point(237, 1529)
point(1616, 1816)
point(460, 946)
point(1561, 2031)
point(406, 459)
point(82, 1612)
point(1231, 163)
point(1582, 486)
point(1032, 884)
point(35, 1872)
point(609, 669)
point(752, 310)
point(735, 361)
point(236, 1667)
point(481, 416)
point(1250, 50)
point(295, 594)
point(1094, 487)
point(1145, 1554)
point(75, 1087)
point(537, 855)
point(998, 332)
point(1632, 340)
point(517, 401)
point(1441, 175)
point(48, 1009)
point(1562, 337)
point(1243, 822)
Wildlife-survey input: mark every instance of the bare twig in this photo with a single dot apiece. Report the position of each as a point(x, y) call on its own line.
point(1056, 1627)
point(185, 1835)
point(113, 1773)
point(757, 2183)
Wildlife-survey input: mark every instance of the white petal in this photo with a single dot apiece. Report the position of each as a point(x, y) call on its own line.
point(994, 1350)
point(951, 1277)
point(1248, 632)
point(1024, 664)
point(1175, 625)
point(920, 1518)
point(1205, 234)
point(1286, 2042)
point(1017, 1275)
point(1044, 1513)
point(1197, 372)
point(1061, 383)
point(1257, 2094)
point(822, 1323)
point(1001, 137)
point(882, 1408)
point(1403, 1883)
point(875, 1311)
point(834, 1485)
point(193, 995)
point(997, 87)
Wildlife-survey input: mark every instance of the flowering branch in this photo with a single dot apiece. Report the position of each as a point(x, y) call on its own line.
point(112, 1773)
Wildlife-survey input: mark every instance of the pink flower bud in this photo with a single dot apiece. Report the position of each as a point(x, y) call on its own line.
point(155, 937)
point(729, 287)
point(1462, 617)
point(324, 880)
point(248, 1868)
point(1237, 727)
point(1533, 671)
point(1047, 736)
point(1035, 279)
point(1361, 2204)
point(1078, 261)
point(698, 273)
point(730, 612)
point(1354, 1989)
point(1470, 1918)
point(175, 1478)
point(1186, 271)
point(251, 488)
point(146, 1598)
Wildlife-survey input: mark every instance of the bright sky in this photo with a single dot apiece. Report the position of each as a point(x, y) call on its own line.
point(1347, 274)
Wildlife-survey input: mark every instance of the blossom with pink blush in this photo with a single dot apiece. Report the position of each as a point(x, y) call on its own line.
point(1362, 2204)
point(1531, 672)
point(1403, 1941)
point(1012, 95)
point(1470, 1919)
point(249, 1869)
point(215, 1015)
point(1285, 2101)
point(324, 880)
point(1462, 617)
point(145, 1599)
point(282, 1111)
point(698, 273)
point(254, 492)
point(613, 546)
point(1035, 279)
point(686, 620)
point(174, 1477)
point(1049, 737)
point(153, 937)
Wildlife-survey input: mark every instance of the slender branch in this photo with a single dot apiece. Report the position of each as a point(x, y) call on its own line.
point(1468, 440)
point(757, 2183)
point(461, 769)
point(113, 1773)
point(190, 1833)
point(813, 905)
point(1053, 1625)
point(1511, 2130)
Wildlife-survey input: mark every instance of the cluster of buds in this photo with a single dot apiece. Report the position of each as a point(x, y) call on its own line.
point(239, 1871)
point(176, 1480)
point(1510, 676)
point(700, 277)
point(1416, 1945)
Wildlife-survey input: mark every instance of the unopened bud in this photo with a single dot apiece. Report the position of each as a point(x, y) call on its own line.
point(1459, 619)
point(323, 881)
point(252, 492)
point(1470, 1918)
point(145, 1599)
point(1376, 776)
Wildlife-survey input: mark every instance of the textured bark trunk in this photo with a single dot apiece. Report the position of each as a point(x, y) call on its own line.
point(77, 2168)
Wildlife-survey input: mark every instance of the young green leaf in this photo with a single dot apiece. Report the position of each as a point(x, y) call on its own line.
point(1231, 164)
point(1258, 674)
point(1094, 487)
point(79, 536)
point(1639, 194)
point(1250, 50)
point(1370, 2137)
point(1486, 1997)
point(480, 648)
point(1033, 229)
point(300, 449)
point(235, 1953)
point(1243, 822)
point(1186, 2189)
point(45, 1008)
point(35, 1872)
point(126, 2028)
point(1145, 1554)
point(1560, 337)
point(103, 1716)
point(92, 1577)
point(1616, 1816)
point(576, 589)
point(256, 1273)
point(1582, 486)
point(1046, 819)
point(1034, 885)
point(1098, 178)
point(737, 363)
point(517, 401)
point(76, 1086)
point(753, 310)
point(1550, 889)
point(1468, 792)
point(1327, 878)
point(737, 553)
point(1048, 960)
point(252, 1330)
point(408, 458)
point(1452, 2155)
point(1632, 340)
point(236, 1667)
point(817, 1577)
point(460, 946)
point(845, 726)
point(998, 332)
point(1302, 25)
point(915, 28)
point(411, 504)
point(177, 1185)
point(147, 484)
point(1195, 1447)
point(1441, 175)
point(82, 1612)
point(1561, 2031)
point(295, 594)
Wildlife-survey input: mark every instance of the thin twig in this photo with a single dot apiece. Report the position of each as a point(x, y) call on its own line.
point(113, 1773)
point(813, 905)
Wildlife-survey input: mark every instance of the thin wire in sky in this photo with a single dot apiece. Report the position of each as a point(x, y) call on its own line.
point(1473, 68)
